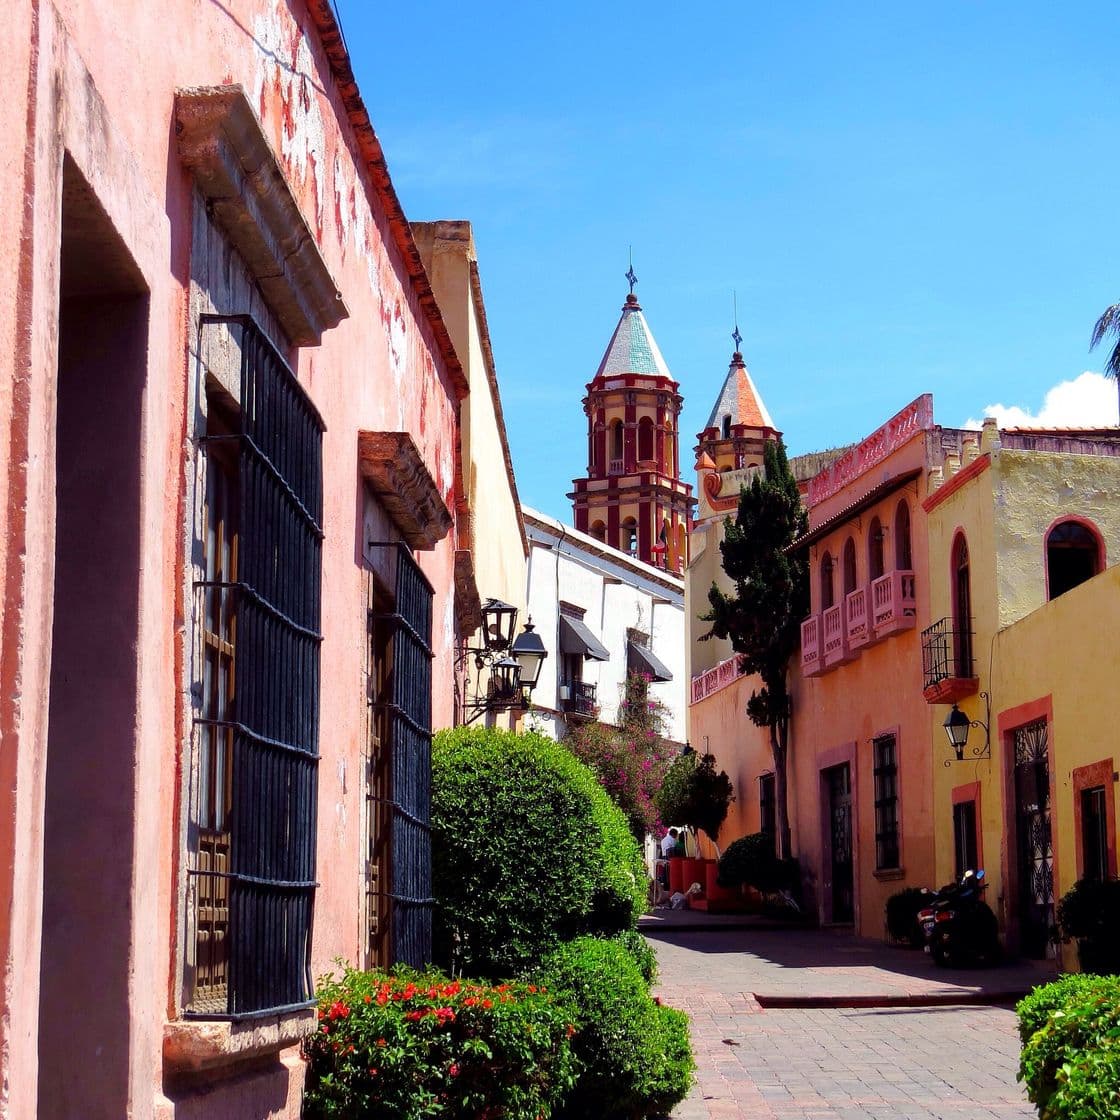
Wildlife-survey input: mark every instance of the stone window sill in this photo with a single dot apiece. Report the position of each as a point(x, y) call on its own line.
point(194, 1045)
point(889, 874)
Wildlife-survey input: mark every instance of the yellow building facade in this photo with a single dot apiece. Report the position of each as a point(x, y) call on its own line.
point(1020, 538)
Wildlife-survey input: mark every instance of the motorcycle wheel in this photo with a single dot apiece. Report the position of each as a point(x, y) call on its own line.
point(942, 956)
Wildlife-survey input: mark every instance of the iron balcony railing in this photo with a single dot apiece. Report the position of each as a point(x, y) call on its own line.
point(581, 700)
point(946, 652)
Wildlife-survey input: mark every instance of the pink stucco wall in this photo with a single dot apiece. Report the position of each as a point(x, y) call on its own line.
point(95, 81)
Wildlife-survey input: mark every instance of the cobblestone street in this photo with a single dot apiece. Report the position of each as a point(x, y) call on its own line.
point(919, 1058)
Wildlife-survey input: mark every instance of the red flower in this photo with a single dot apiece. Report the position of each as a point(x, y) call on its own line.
point(454, 1069)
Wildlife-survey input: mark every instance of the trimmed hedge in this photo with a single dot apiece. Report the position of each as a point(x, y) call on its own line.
point(528, 851)
point(633, 1056)
point(417, 1044)
point(1071, 1054)
point(751, 860)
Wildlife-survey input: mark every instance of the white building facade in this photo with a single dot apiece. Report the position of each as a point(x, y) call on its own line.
point(601, 613)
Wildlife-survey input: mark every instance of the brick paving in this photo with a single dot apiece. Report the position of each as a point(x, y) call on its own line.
point(837, 1062)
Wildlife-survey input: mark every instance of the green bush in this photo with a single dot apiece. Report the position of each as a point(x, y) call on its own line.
point(693, 793)
point(1069, 1063)
point(633, 1056)
point(1089, 1087)
point(1033, 1010)
point(902, 914)
point(418, 1044)
point(642, 952)
point(527, 851)
point(751, 860)
point(1089, 912)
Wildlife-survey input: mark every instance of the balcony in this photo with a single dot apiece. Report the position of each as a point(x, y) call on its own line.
point(811, 646)
point(856, 621)
point(578, 699)
point(893, 605)
point(947, 665)
point(836, 650)
point(614, 466)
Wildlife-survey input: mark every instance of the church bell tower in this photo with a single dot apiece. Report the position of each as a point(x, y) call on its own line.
point(633, 498)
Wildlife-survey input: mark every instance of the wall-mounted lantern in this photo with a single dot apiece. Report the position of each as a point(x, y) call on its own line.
point(514, 664)
point(957, 726)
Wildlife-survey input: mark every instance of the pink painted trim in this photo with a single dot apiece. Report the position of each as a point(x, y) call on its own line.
point(964, 476)
point(970, 791)
point(826, 760)
point(1085, 777)
point(1102, 550)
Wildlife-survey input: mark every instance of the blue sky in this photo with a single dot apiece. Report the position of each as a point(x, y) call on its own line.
point(906, 198)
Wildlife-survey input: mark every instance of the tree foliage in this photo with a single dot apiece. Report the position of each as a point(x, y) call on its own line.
point(695, 794)
point(629, 760)
point(1109, 324)
point(762, 616)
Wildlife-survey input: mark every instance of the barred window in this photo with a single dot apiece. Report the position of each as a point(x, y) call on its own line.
point(1094, 833)
point(399, 889)
point(886, 803)
point(256, 729)
point(964, 837)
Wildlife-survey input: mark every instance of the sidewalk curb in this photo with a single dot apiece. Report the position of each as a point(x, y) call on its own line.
point(909, 999)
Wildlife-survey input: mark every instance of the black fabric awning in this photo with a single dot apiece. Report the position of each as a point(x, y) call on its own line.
point(575, 637)
point(641, 659)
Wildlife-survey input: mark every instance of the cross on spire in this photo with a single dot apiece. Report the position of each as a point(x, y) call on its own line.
point(736, 337)
point(630, 275)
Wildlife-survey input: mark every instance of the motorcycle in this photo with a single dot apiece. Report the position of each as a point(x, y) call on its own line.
point(959, 926)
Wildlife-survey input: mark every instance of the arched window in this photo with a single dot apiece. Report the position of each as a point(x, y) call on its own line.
point(827, 597)
point(599, 531)
point(616, 439)
point(1073, 555)
point(849, 567)
point(645, 438)
point(962, 608)
point(629, 541)
point(875, 550)
point(903, 556)
point(727, 427)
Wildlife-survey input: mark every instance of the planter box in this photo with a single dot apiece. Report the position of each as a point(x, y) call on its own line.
point(676, 874)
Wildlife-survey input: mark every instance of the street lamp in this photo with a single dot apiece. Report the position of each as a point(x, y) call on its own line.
point(514, 665)
point(957, 725)
point(530, 653)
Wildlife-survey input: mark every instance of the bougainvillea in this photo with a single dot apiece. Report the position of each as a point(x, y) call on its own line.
point(629, 760)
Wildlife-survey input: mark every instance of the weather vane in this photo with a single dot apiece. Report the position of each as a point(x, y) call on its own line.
point(736, 337)
point(630, 274)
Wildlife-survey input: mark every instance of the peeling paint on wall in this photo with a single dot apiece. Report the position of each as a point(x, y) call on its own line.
point(285, 77)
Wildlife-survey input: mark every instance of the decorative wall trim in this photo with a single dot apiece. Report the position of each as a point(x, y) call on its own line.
point(222, 143)
point(468, 603)
point(394, 471)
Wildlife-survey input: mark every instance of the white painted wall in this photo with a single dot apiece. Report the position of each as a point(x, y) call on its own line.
point(617, 594)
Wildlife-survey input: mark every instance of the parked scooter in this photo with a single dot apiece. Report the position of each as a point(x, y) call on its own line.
point(959, 926)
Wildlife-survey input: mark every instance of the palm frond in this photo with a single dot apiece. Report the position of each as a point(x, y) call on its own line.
point(1108, 324)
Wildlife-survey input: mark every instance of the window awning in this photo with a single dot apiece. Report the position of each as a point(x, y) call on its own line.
point(576, 638)
point(641, 659)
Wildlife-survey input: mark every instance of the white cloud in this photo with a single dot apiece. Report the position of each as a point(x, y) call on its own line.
point(1088, 401)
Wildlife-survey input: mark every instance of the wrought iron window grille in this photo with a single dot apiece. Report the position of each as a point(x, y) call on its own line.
point(265, 601)
point(406, 708)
